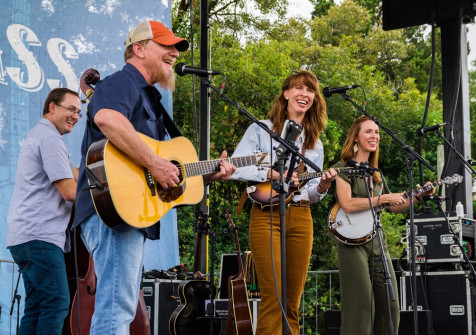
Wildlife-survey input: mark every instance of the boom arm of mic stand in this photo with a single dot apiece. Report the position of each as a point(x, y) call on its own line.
point(406, 147)
point(250, 117)
point(460, 157)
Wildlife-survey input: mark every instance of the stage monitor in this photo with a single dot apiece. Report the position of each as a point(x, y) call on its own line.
point(408, 13)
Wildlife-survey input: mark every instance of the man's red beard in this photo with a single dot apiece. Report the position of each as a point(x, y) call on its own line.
point(165, 78)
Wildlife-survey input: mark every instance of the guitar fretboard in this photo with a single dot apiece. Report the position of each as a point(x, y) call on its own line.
point(311, 175)
point(212, 166)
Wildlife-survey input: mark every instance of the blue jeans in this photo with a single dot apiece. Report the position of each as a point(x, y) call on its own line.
point(46, 287)
point(118, 265)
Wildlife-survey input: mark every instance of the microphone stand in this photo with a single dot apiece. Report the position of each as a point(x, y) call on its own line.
point(411, 156)
point(389, 292)
point(288, 148)
point(16, 297)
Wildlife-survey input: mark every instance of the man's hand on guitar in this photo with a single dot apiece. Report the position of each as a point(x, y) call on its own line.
point(226, 170)
point(165, 173)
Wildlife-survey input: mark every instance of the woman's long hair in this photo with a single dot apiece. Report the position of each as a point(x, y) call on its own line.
point(316, 117)
point(348, 147)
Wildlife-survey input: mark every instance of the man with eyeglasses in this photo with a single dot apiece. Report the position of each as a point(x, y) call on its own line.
point(40, 210)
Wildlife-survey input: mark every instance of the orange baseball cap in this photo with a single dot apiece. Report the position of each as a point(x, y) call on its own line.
point(157, 32)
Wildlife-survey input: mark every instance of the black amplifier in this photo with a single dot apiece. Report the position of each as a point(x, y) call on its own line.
point(434, 243)
point(447, 294)
point(161, 299)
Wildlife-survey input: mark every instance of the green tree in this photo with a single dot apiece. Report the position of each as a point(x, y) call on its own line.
point(343, 44)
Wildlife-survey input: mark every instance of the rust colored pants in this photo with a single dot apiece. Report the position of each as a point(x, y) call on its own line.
point(299, 236)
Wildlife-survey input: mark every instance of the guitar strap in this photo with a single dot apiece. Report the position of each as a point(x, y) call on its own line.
point(155, 97)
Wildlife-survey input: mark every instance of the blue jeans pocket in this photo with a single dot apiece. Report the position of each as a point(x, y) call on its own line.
point(21, 254)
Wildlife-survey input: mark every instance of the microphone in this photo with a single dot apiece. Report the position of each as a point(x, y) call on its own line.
point(290, 133)
point(434, 197)
point(328, 91)
point(181, 69)
point(422, 131)
point(364, 166)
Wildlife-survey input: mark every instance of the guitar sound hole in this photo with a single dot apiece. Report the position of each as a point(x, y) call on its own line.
point(175, 192)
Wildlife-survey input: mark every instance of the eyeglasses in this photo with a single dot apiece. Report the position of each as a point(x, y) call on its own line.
point(72, 111)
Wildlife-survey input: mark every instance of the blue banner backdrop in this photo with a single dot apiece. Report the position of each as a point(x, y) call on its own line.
point(46, 44)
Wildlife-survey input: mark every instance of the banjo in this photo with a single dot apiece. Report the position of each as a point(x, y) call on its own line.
point(357, 228)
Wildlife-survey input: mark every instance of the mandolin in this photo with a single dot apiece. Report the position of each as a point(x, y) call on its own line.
point(189, 318)
point(263, 195)
point(238, 303)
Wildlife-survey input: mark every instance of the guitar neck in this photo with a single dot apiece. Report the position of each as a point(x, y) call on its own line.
point(237, 243)
point(413, 193)
point(212, 166)
point(311, 175)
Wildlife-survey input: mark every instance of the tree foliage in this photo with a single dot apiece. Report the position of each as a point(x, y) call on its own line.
point(342, 44)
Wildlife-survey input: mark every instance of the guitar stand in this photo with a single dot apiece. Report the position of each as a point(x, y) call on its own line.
point(210, 312)
point(390, 294)
point(16, 297)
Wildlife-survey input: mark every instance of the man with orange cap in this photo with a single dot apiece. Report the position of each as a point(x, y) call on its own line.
point(123, 104)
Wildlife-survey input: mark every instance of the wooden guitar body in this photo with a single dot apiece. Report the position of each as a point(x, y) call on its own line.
point(241, 305)
point(129, 195)
point(187, 319)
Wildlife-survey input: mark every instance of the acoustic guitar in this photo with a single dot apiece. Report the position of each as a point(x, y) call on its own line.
point(238, 303)
point(357, 228)
point(189, 317)
point(130, 196)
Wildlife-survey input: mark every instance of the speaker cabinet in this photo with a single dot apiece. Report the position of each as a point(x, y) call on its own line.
point(161, 299)
point(425, 323)
point(229, 267)
point(407, 13)
point(331, 322)
point(447, 294)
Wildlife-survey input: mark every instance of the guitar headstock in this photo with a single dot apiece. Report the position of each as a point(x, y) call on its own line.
point(455, 179)
point(229, 219)
point(262, 159)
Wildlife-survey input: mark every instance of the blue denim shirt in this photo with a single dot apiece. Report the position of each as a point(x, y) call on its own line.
point(127, 92)
point(255, 138)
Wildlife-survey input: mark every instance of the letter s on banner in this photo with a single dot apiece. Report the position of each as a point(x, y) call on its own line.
point(58, 47)
point(16, 34)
